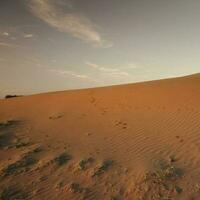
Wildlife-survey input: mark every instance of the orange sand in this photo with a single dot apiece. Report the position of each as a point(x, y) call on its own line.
point(137, 126)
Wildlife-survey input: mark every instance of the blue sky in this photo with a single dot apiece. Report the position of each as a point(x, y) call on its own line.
point(48, 45)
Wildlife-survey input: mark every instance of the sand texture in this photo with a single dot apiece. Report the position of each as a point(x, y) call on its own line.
point(130, 142)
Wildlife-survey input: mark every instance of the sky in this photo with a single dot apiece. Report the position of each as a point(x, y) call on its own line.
point(51, 45)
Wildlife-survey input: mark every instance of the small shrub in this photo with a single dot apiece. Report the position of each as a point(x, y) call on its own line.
point(7, 123)
point(63, 158)
point(19, 166)
point(7, 136)
point(104, 167)
point(114, 198)
point(83, 164)
point(161, 183)
point(169, 172)
point(178, 189)
point(172, 159)
point(12, 96)
point(21, 144)
point(12, 193)
point(76, 188)
point(22, 164)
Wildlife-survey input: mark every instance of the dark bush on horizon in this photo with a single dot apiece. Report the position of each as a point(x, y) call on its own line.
point(12, 96)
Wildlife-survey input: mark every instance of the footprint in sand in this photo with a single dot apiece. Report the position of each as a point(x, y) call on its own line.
point(56, 116)
point(178, 137)
point(121, 124)
point(93, 100)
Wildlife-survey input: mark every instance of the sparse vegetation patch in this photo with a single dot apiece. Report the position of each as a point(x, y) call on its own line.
point(77, 188)
point(21, 165)
point(114, 198)
point(83, 164)
point(12, 193)
point(7, 123)
point(160, 184)
point(7, 137)
point(63, 158)
point(165, 173)
point(103, 167)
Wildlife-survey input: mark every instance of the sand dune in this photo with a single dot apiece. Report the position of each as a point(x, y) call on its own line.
point(131, 142)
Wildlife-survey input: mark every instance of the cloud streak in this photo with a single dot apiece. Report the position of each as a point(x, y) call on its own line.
point(69, 73)
point(104, 69)
point(72, 23)
point(5, 44)
point(5, 34)
point(116, 72)
point(28, 35)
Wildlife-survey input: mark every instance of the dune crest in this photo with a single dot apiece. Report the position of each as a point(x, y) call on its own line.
point(135, 141)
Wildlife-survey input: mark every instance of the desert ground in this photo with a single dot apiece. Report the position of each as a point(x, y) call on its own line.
point(129, 142)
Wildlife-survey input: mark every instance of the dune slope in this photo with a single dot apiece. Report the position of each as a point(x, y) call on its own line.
point(136, 141)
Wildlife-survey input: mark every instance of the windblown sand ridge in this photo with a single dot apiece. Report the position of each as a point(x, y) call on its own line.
point(136, 141)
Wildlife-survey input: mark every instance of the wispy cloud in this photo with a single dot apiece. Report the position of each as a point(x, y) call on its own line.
point(5, 34)
point(28, 35)
point(5, 44)
point(92, 65)
point(69, 73)
point(11, 33)
point(116, 72)
point(104, 69)
point(76, 24)
point(119, 73)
